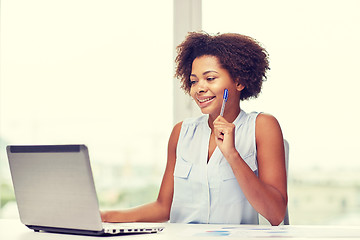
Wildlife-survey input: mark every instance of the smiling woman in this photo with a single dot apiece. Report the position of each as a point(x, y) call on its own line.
point(220, 169)
point(237, 63)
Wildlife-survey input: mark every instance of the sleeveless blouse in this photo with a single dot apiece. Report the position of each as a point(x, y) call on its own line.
point(207, 191)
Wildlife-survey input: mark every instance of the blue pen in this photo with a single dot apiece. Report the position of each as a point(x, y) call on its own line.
point(225, 98)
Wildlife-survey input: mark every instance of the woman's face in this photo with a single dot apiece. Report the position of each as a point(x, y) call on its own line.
point(208, 81)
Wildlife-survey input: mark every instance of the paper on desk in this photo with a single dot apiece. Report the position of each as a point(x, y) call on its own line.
point(244, 231)
point(240, 231)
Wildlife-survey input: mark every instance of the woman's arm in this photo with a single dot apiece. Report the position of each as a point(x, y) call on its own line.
point(159, 210)
point(268, 192)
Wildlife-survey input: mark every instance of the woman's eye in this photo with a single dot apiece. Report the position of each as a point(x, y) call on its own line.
point(192, 82)
point(210, 78)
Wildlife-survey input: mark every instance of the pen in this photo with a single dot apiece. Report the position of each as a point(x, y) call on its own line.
point(225, 97)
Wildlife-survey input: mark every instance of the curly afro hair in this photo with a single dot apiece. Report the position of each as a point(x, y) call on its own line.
point(242, 56)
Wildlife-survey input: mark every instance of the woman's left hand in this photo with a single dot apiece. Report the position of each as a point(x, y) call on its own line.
point(224, 136)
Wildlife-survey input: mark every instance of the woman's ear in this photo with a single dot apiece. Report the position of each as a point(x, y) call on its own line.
point(239, 87)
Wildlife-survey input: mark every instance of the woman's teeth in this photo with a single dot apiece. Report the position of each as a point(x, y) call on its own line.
point(205, 100)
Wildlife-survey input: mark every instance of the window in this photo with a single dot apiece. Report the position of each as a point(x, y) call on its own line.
point(93, 72)
point(100, 73)
point(312, 90)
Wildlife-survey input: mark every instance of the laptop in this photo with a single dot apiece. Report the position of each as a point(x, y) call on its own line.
point(55, 191)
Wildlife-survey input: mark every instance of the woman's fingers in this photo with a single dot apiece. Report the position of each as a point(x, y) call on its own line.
point(222, 127)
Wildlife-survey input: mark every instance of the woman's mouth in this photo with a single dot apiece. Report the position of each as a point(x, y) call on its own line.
point(204, 101)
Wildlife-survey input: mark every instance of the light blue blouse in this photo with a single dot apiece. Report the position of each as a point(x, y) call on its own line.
point(208, 192)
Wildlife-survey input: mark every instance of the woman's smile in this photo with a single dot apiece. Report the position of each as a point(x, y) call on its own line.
point(204, 101)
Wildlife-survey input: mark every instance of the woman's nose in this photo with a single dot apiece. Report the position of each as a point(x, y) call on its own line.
point(201, 87)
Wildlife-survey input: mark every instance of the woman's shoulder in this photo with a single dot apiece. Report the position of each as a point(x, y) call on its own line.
point(266, 120)
point(174, 137)
point(177, 127)
point(267, 127)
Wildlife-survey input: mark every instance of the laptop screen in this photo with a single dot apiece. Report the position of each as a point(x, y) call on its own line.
point(54, 186)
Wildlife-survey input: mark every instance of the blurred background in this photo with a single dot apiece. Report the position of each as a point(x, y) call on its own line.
point(101, 73)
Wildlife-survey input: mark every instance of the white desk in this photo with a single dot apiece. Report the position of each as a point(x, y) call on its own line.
point(14, 230)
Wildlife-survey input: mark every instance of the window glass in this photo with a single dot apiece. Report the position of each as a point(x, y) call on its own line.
point(92, 72)
point(312, 90)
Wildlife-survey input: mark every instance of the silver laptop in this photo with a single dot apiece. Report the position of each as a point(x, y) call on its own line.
point(55, 191)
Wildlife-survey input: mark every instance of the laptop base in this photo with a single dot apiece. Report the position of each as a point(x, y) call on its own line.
point(85, 232)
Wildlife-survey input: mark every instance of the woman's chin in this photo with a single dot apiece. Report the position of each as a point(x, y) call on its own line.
point(207, 111)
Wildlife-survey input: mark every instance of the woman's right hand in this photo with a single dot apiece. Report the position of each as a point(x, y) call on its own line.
point(111, 216)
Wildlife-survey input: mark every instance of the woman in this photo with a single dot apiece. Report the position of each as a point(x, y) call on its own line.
point(220, 169)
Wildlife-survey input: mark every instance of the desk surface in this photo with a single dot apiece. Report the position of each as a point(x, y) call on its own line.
point(14, 230)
